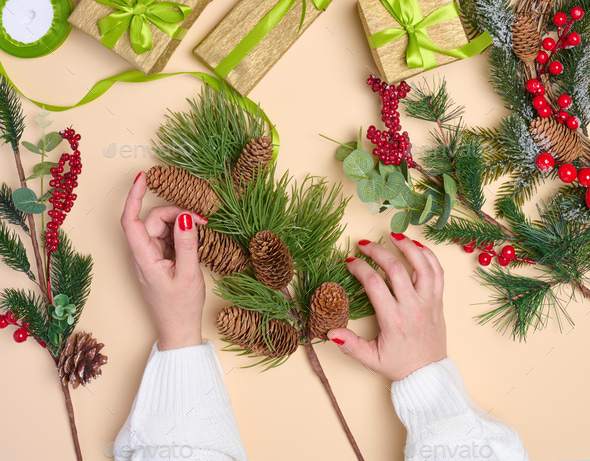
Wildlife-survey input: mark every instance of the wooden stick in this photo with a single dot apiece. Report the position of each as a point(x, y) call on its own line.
point(66, 390)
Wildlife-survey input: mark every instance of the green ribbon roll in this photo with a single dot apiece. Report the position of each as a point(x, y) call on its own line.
point(136, 15)
point(247, 44)
point(421, 48)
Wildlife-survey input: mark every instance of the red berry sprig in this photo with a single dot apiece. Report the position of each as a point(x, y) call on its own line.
point(391, 146)
point(21, 334)
point(505, 257)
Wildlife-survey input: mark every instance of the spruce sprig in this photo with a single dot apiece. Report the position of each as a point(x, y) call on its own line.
point(495, 16)
point(12, 119)
point(8, 210)
point(469, 170)
point(432, 104)
point(466, 232)
point(13, 252)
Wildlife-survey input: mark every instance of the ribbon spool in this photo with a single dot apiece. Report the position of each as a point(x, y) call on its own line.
point(33, 28)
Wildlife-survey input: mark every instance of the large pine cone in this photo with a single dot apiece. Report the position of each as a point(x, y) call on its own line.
point(271, 259)
point(556, 138)
point(255, 154)
point(181, 188)
point(526, 40)
point(220, 252)
point(80, 360)
point(329, 309)
point(244, 327)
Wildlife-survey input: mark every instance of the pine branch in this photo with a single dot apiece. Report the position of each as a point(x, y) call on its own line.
point(209, 138)
point(496, 16)
point(13, 252)
point(8, 210)
point(431, 104)
point(469, 171)
point(570, 200)
point(497, 163)
point(467, 232)
point(12, 120)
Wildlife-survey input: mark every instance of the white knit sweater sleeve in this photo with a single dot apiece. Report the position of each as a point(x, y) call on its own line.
point(443, 423)
point(182, 411)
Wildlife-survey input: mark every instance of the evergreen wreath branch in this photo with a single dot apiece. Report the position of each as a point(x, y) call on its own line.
point(8, 210)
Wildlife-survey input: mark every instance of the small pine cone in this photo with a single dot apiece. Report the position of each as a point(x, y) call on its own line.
point(220, 252)
point(182, 188)
point(80, 360)
point(244, 327)
point(329, 309)
point(526, 39)
point(271, 259)
point(556, 138)
point(256, 153)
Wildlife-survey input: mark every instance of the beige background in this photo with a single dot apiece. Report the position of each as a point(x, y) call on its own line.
point(540, 387)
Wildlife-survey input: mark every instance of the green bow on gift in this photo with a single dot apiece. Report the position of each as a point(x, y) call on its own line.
point(272, 18)
point(136, 15)
point(421, 48)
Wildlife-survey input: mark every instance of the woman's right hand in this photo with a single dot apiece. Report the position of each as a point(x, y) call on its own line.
point(410, 314)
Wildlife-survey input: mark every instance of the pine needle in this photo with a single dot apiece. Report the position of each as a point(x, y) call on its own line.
point(12, 120)
point(13, 252)
point(8, 210)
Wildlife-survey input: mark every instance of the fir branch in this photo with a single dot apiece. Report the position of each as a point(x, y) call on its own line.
point(524, 303)
point(469, 170)
point(13, 252)
point(8, 210)
point(71, 275)
point(12, 120)
point(495, 16)
point(466, 232)
point(570, 200)
point(431, 104)
point(209, 138)
point(497, 163)
point(521, 186)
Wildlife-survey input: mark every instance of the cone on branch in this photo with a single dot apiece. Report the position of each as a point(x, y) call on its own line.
point(526, 39)
point(80, 360)
point(257, 153)
point(178, 186)
point(556, 138)
point(220, 252)
point(245, 327)
point(329, 309)
point(273, 265)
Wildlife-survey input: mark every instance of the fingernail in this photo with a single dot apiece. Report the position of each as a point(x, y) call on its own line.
point(398, 237)
point(418, 244)
point(185, 222)
point(351, 259)
point(137, 177)
point(338, 341)
point(202, 217)
point(364, 242)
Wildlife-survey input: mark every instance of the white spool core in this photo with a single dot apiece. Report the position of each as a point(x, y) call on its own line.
point(27, 21)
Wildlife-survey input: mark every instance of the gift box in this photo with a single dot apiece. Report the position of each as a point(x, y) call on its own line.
point(143, 32)
point(408, 37)
point(253, 36)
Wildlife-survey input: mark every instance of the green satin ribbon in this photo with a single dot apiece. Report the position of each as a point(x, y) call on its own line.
point(136, 16)
point(247, 44)
point(136, 76)
point(421, 48)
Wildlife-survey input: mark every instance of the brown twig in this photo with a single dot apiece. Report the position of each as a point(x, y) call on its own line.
point(66, 390)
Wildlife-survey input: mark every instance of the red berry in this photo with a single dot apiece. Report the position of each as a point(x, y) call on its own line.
point(560, 19)
point(588, 198)
point(564, 101)
point(562, 116)
point(533, 85)
point(545, 161)
point(20, 335)
point(556, 68)
point(548, 43)
point(573, 39)
point(3, 322)
point(42, 344)
point(539, 102)
point(567, 172)
point(539, 91)
point(508, 252)
point(544, 112)
point(484, 259)
point(542, 57)
point(503, 261)
point(11, 317)
point(584, 177)
point(576, 13)
point(572, 123)
point(370, 81)
point(468, 249)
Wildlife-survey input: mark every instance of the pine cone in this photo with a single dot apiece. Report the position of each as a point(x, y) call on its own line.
point(271, 259)
point(556, 138)
point(255, 154)
point(243, 327)
point(329, 309)
point(220, 252)
point(526, 40)
point(181, 188)
point(80, 360)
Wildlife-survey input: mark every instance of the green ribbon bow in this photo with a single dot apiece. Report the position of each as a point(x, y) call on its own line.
point(421, 48)
point(272, 18)
point(136, 15)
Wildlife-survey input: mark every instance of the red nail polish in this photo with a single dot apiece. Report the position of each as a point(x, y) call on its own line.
point(351, 259)
point(418, 244)
point(364, 242)
point(338, 341)
point(137, 177)
point(398, 237)
point(185, 222)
